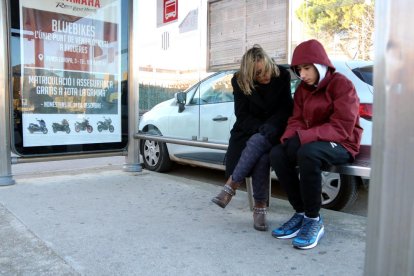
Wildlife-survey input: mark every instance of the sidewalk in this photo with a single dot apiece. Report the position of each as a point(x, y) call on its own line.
point(109, 222)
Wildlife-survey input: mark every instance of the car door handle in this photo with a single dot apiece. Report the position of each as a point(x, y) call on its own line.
point(220, 118)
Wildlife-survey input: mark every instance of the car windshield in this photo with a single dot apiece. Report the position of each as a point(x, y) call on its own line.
point(364, 74)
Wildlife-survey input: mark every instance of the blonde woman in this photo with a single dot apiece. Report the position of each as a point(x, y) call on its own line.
point(262, 105)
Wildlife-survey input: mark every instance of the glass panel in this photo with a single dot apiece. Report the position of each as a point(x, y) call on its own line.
point(217, 108)
point(171, 58)
point(183, 42)
point(345, 28)
point(171, 50)
point(69, 63)
point(216, 89)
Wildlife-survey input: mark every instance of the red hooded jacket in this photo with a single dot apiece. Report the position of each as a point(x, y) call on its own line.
point(328, 112)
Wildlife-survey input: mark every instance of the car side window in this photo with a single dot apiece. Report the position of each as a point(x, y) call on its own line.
point(294, 81)
point(216, 89)
point(365, 74)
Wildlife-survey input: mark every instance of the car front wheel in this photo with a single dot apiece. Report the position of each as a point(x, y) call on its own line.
point(338, 191)
point(155, 155)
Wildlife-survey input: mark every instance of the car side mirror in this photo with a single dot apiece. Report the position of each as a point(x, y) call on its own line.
point(181, 99)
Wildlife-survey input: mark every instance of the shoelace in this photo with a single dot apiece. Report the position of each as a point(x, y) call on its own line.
point(292, 222)
point(308, 229)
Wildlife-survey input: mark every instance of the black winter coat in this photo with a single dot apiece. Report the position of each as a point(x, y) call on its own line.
point(271, 103)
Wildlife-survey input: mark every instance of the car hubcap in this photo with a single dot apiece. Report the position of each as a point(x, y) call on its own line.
point(330, 187)
point(151, 152)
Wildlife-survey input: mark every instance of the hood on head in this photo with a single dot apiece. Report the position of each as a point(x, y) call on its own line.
point(311, 52)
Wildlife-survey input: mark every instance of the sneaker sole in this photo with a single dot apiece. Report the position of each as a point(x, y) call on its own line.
point(320, 235)
point(294, 234)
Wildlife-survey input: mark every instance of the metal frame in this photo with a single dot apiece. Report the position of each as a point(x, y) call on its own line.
point(132, 154)
point(19, 160)
point(5, 155)
point(361, 166)
point(132, 163)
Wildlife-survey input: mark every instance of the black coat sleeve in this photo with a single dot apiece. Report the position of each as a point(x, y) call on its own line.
point(246, 121)
point(284, 107)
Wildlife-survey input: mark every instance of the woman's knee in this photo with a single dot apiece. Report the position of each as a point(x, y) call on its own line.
point(257, 141)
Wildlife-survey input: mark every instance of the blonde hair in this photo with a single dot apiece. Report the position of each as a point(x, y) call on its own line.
point(247, 73)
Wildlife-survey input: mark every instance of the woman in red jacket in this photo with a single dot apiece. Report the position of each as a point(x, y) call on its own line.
point(324, 129)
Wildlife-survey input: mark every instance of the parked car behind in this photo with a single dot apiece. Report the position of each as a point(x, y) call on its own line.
point(205, 112)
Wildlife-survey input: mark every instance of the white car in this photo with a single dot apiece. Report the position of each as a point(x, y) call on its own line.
point(205, 112)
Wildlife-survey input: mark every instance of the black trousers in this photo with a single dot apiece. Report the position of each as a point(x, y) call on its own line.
point(304, 192)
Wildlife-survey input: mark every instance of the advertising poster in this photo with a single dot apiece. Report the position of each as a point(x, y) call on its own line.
point(71, 71)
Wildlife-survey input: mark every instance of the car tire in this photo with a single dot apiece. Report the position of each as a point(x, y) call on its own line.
point(155, 155)
point(338, 191)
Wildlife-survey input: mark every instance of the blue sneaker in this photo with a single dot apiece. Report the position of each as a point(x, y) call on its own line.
point(310, 233)
point(290, 228)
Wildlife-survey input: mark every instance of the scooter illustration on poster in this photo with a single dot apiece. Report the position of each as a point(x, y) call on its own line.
point(84, 125)
point(105, 125)
point(41, 127)
point(64, 126)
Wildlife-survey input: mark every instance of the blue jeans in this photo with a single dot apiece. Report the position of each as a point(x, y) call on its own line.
point(254, 161)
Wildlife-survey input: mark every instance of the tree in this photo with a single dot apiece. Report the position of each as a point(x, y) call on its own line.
point(349, 23)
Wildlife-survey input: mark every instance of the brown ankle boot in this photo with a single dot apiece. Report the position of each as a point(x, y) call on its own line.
point(259, 216)
point(229, 190)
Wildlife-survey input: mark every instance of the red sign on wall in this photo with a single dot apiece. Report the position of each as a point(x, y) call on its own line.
point(170, 10)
